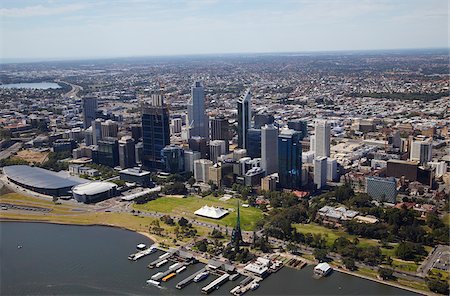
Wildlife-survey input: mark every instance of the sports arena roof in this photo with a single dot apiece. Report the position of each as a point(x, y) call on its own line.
point(93, 188)
point(40, 178)
point(211, 212)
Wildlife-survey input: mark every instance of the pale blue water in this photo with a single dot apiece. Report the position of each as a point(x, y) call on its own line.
point(92, 260)
point(32, 85)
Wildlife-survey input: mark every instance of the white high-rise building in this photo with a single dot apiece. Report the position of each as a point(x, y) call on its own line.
point(320, 171)
point(109, 129)
point(312, 143)
point(89, 106)
point(189, 158)
point(331, 169)
point(216, 149)
point(201, 170)
point(421, 151)
point(322, 138)
point(439, 167)
point(197, 119)
point(269, 148)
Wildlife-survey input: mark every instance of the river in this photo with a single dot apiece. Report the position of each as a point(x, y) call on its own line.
point(61, 259)
point(32, 85)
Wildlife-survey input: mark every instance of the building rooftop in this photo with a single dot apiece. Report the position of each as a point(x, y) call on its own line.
point(93, 188)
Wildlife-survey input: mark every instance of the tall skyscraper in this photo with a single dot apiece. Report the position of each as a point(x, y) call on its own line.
point(220, 130)
point(289, 159)
point(421, 151)
point(216, 149)
point(261, 119)
point(155, 131)
point(198, 121)
point(322, 138)
point(108, 152)
point(300, 126)
point(244, 118)
point(96, 131)
point(320, 171)
point(189, 158)
point(254, 143)
point(201, 170)
point(332, 173)
point(269, 149)
point(89, 106)
point(110, 129)
point(173, 158)
point(127, 152)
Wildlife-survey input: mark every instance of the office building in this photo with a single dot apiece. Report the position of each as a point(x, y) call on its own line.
point(269, 183)
point(220, 130)
point(244, 118)
point(155, 131)
point(253, 176)
point(261, 119)
point(138, 152)
point(138, 176)
point(108, 152)
point(254, 143)
point(88, 136)
point(332, 174)
point(89, 106)
point(96, 131)
point(440, 168)
point(401, 168)
point(269, 148)
point(176, 125)
point(199, 144)
point(421, 151)
point(215, 174)
point(320, 171)
point(64, 145)
point(289, 159)
point(239, 153)
point(109, 129)
point(382, 189)
point(299, 126)
point(201, 170)
point(216, 149)
point(197, 118)
point(127, 152)
point(189, 158)
point(322, 138)
point(173, 159)
point(136, 132)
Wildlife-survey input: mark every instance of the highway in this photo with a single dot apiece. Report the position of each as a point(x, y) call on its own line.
point(10, 150)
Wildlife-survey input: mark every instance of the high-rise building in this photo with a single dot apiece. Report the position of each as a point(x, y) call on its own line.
point(173, 158)
point(89, 106)
point(299, 126)
point(201, 170)
point(421, 151)
point(176, 125)
point(331, 169)
point(220, 130)
point(215, 174)
point(108, 152)
point(382, 189)
point(216, 149)
point(136, 132)
point(289, 159)
point(261, 119)
point(320, 171)
point(155, 131)
point(199, 144)
point(127, 152)
point(244, 118)
point(88, 136)
point(189, 158)
point(138, 152)
point(269, 148)
point(198, 121)
point(254, 143)
point(322, 138)
point(110, 129)
point(96, 131)
point(269, 183)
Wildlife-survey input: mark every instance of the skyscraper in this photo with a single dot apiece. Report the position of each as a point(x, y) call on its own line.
point(320, 171)
point(127, 152)
point(96, 131)
point(244, 118)
point(198, 121)
point(300, 126)
point(155, 131)
point(109, 129)
point(289, 159)
point(220, 130)
point(173, 158)
point(254, 143)
point(108, 152)
point(261, 119)
point(216, 149)
point(421, 151)
point(269, 149)
point(322, 138)
point(89, 106)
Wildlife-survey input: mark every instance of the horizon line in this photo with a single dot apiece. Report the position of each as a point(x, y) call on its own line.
point(5, 61)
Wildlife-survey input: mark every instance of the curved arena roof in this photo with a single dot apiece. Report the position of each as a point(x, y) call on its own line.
point(40, 178)
point(93, 188)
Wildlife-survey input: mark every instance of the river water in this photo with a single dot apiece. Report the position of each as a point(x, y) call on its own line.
point(32, 85)
point(87, 260)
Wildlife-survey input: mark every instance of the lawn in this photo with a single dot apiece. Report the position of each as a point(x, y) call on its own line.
point(187, 206)
point(410, 266)
point(446, 219)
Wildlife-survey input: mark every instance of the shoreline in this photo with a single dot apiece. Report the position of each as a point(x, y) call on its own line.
point(154, 239)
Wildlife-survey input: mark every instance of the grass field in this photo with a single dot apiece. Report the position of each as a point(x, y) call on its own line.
point(410, 266)
point(187, 206)
point(446, 219)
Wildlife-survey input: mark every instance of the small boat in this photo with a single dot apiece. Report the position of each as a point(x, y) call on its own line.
point(152, 282)
point(156, 275)
point(181, 269)
point(168, 277)
point(19, 247)
point(161, 263)
point(141, 247)
point(254, 286)
point(201, 276)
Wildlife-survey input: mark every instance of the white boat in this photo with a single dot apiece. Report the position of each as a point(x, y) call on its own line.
point(181, 269)
point(152, 282)
point(254, 286)
point(322, 269)
point(201, 276)
point(161, 263)
point(141, 246)
point(156, 275)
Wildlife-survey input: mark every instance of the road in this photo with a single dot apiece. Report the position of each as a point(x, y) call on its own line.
point(73, 92)
point(10, 150)
point(428, 263)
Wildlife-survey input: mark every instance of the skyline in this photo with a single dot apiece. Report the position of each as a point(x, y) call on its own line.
point(129, 30)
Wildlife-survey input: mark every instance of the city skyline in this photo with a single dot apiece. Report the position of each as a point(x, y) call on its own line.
point(45, 30)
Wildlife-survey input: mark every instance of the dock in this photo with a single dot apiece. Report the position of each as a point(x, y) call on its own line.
point(143, 253)
point(216, 283)
point(163, 258)
point(189, 279)
point(172, 269)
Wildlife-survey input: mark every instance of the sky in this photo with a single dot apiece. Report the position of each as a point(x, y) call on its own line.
point(53, 29)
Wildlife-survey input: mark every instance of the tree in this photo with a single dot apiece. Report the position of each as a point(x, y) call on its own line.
point(183, 222)
point(349, 263)
point(409, 251)
point(438, 285)
point(167, 219)
point(320, 255)
point(191, 181)
point(386, 274)
point(55, 199)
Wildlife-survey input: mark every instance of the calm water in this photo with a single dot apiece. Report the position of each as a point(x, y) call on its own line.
point(32, 85)
point(59, 259)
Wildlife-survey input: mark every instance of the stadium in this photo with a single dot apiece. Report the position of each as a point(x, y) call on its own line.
point(41, 180)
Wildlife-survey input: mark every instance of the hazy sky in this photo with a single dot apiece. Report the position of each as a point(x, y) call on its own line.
point(115, 28)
